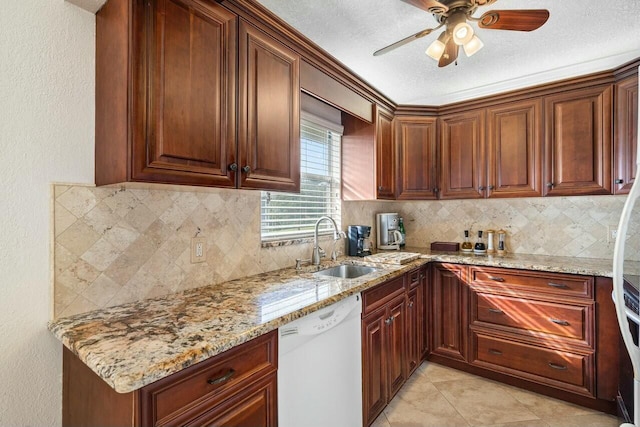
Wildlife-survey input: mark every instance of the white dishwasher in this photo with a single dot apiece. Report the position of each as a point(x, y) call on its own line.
point(320, 368)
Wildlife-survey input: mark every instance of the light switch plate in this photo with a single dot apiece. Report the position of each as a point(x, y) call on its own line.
point(198, 249)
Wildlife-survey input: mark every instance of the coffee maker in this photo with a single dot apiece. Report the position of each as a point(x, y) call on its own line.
point(359, 244)
point(388, 231)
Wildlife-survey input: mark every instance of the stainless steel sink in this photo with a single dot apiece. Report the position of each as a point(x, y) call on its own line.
point(346, 271)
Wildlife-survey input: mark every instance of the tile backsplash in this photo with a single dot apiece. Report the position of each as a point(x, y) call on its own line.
point(113, 245)
point(563, 226)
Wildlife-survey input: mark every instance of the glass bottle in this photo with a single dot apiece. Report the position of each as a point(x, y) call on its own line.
point(466, 245)
point(480, 247)
point(501, 245)
point(404, 234)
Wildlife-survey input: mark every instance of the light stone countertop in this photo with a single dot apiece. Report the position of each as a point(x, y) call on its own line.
point(135, 344)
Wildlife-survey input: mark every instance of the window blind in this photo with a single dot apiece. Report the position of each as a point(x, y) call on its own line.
point(290, 215)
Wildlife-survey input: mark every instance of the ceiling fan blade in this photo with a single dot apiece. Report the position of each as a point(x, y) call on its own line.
point(403, 42)
point(514, 20)
point(450, 53)
point(431, 6)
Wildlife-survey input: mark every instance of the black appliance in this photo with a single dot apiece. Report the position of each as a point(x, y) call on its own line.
point(358, 236)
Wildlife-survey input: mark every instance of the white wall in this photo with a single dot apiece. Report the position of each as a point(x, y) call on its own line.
point(46, 134)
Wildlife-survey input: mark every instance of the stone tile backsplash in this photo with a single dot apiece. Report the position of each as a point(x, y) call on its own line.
point(117, 245)
point(563, 226)
point(113, 245)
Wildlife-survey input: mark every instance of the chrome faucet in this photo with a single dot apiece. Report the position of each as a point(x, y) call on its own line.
point(318, 252)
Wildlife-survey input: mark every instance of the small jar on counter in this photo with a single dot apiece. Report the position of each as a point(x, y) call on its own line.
point(502, 249)
point(490, 248)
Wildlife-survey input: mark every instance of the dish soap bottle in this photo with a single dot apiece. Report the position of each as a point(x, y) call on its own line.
point(480, 247)
point(466, 245)
point(404, 234)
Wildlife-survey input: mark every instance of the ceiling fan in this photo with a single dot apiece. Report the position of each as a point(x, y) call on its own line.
point(454, 14)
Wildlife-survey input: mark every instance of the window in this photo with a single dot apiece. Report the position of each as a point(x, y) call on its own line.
point(287, 216)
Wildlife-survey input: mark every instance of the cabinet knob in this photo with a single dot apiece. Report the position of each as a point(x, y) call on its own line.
point(481, 188)
point(246, 169)
point(436, 189)
point(619, 181)
point(233, 167)
point(380, 188)
point(389, 320)
point(410, 304)
point(550, 184)
point(491, 187)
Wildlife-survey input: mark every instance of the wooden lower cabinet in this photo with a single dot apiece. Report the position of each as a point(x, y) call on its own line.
point(449, 310)
point(385, 326)
point(236, 388)
point(416, 324)
point(551, 333)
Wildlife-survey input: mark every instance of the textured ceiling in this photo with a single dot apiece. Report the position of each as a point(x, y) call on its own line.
point(579, 37)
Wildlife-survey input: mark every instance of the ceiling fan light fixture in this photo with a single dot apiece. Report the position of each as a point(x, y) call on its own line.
point(473, 46)
point(462, 33)
point(436, 49)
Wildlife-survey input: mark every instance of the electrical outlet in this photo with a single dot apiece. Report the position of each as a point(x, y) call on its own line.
point(198, 249)
point(612, 233)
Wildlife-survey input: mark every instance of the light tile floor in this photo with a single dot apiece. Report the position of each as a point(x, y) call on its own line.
point(439, 396)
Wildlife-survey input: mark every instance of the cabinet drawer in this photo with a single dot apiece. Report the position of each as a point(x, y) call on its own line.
point(541, 282)
point(185, 391)
point(414, 278)
point(380, 294)
point(559, 368)
point(558, 319)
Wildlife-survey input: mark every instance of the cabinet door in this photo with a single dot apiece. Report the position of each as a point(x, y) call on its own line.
point(184, 92)
point(374, 360)
point(269, 113)
point(417, 160)
point(462, 157)
point(626, 134)
point(255, 406)
point(450, 308)
point(415, 322)
point(425, 321)
point(578, 142)
point(514, 149)
point(397, 331)
point(385, 156)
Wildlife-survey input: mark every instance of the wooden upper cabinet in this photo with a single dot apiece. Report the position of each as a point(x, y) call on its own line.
point(184, 84)
point(385, 155)
point(625, 134)
point(269, 112)
point(514, 149)
point(578, 142)
point(416, 146)
point(462, 155)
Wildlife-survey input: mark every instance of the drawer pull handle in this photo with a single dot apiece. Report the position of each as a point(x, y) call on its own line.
point(221, 379)
point(560, 322)
point(496, 279)
point(558, 367)
point(558, 285)
point(496, 311)
point(496, 352)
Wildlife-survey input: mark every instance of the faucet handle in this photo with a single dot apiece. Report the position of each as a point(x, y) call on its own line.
point(335, 255)
point(342, 234)
point(322, 252)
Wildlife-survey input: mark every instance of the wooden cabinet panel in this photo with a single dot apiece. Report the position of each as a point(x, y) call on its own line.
point(374, 365)
point(564, 320)
point(385, 156)
point(558, 368)
point(415, 327)
point(462, 153)
point(416, 146)
point(396, 350)
point(578, 142)
point(625, 134)
point(382, 294)
point(269, 112)
point(252, 407)
point(514, 149)
point(449, 309)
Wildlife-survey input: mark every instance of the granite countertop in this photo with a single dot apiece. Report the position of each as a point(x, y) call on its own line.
point(132, 345)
